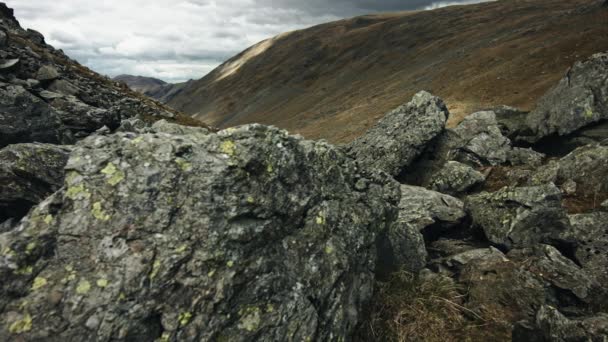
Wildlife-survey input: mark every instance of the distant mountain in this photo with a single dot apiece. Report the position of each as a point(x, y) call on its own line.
point(141, 84)
point(335, 80)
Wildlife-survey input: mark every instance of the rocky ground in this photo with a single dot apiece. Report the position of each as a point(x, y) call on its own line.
point(115, 225)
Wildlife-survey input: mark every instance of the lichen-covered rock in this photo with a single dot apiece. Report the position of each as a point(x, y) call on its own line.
point(29, 173)
point(519, 283)
point(421, 212)
point(510, 120)
point(456, 178)
point(401, 136)
point(26, 118)
point(578, 100)
point(248, 234)
point(551, 325)
point(525, 156)
point(519, 216)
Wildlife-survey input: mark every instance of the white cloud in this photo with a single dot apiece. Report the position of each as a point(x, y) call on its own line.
point(176, 39)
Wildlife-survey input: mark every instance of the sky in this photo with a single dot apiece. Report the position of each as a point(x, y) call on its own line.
point(177, 40)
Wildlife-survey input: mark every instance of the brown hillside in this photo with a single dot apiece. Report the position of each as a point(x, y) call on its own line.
point(335, 80)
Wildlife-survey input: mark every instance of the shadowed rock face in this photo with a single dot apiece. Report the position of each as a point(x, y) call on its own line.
point(29, 173)
point(245, 234)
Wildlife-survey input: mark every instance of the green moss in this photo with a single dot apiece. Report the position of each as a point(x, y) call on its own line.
point(184, 318)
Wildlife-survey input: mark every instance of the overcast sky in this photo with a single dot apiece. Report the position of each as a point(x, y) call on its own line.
point(176, 40)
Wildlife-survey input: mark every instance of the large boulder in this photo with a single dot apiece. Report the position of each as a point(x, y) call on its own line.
point(82, 119)
point(29, 173)
point(578, 100)
point(401, 136)
point(422, 213)
point(455, 178)
point(26, 118)
point(519, 216)
point(248, 234)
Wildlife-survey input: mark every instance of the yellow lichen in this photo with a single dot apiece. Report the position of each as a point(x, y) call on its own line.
point(183, 164)
point(269, 308)
point(269, 168)
point(329, 249)
point(77, 191)
point(48, 219)
point(25, 270)
point(83, 287)
point(22, 325)
point(114, 174)
point(250, 200)
point(228, 147)
point(38, 283)
point(184, 318)
point(102, 283)
point(155, 269)
point(230, 263)
point(99, 213)
point(320, 218)
point(251, 319)
point(211, 273)
point(181, 249)
point(30, 247)
point(165, 337)
point(137, 140)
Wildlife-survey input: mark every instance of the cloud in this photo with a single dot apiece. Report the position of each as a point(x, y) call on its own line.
point(176, 40)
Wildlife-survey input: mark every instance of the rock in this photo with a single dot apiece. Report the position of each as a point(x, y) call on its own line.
point(29, 173)
point(83, 119)
point(162, 126)
point(248, 234)
point(49, 95)
point(47, 73)
point(456, 178)
point(511, 121)
point(26, 118)
point(421, 213)
point(605, 204)
point(3, 39)
point(525, 156)
point(519, 216)
point(35, 37)
point(578, 100)
point(551, 325)
point(589, 237)
point(132, 125)
point(9, 64)
point(401, 136)
point(528, 278)
point(63, 87)
point(569, 187)
point(479, 141)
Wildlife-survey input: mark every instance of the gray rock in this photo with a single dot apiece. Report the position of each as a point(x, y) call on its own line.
point(456, 178)
point(3, 39)
point(248, 234)
point(604, 205)
point(26, 118)
point(520, 216)
point(526, 280)
point(589, 237)
point(401, 136)
point(63, 87)
point(49, 95)
point(525, 156)
point(83, 119)
point(47, 73)
point(9, 64)
point(421, 211)
point(162, 126)
point(578, 100)
point(510, 120)
point(133, 125)
point(35, 37)
point(29, 173)
point(459, 260)
point(551, 325)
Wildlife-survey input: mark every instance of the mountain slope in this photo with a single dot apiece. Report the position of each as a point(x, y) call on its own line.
point(335, 80)
point(140, 83)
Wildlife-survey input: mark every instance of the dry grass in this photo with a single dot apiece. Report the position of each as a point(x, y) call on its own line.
point(407, 308)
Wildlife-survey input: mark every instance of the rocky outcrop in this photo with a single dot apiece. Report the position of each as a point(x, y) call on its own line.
point(421, 213)
point(578, 100)
point(455, 178)
point(588, 236)
point(241, 235)
point(521, 216)
point(29, 173)
point(401, 136)
point(551, 325)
